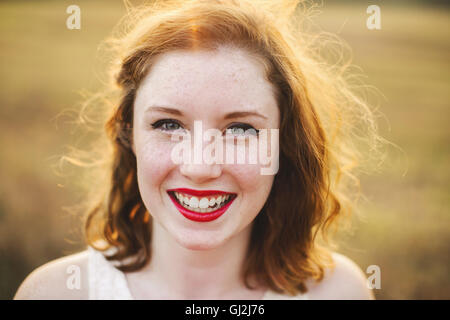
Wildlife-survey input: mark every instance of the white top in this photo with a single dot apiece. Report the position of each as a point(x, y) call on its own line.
point(106, 282)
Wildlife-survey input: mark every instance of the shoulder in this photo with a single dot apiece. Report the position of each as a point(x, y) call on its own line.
point(64, 278)
point(346, 281)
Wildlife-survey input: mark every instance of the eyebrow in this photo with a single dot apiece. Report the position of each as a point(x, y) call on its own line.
point(232, 115)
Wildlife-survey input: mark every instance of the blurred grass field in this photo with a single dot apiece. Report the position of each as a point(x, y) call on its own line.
point(406, 223)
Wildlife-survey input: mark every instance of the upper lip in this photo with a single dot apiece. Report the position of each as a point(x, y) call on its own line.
point(199, 193)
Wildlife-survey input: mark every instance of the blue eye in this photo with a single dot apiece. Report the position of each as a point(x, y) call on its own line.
point(242, 129)
point(170, 125)
point(167, 125)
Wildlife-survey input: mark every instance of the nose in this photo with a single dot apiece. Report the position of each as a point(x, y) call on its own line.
point(200, 173)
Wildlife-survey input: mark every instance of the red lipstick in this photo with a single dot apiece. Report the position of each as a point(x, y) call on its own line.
point(200, 216)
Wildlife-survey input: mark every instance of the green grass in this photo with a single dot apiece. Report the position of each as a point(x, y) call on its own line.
point(406, 223)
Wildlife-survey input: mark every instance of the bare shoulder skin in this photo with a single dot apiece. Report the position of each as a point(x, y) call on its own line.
point(50, 281)
point(345, 282)
point(55, 280)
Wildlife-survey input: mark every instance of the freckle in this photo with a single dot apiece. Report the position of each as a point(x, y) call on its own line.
point(234, 77)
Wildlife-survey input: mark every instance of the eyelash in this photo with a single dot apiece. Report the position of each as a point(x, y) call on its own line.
point(158, 124)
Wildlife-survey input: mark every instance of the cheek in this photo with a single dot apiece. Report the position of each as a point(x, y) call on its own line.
point(153, 163)
point(251, 182)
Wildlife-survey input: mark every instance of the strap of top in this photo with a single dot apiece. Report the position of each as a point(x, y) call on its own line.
point(105, 281)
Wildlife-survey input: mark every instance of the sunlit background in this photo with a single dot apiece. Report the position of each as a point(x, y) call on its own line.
point(405, 230)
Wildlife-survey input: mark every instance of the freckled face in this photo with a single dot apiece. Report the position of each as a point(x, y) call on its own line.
point(205, 86)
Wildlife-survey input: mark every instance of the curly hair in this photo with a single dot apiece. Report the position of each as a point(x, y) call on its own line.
point(322, 118)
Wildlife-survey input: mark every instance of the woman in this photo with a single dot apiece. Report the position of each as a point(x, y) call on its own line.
point(181, 230)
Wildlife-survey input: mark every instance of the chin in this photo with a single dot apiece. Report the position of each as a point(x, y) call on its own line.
point(199, 243)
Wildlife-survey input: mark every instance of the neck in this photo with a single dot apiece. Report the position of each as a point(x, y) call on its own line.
point(183, 273)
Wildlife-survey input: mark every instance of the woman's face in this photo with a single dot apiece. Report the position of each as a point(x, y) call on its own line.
point(211, 87)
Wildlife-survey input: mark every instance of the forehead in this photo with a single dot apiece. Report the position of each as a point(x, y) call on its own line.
point(226, 77)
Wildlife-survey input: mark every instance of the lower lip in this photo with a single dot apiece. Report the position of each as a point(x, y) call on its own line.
point(198, 216)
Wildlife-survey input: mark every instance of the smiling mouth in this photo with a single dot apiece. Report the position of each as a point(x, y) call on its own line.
point(202, 204)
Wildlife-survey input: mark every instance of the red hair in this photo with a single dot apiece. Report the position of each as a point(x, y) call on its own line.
point(319, 116)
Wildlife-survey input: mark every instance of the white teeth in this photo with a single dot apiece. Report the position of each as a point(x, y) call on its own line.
point(193, 202)
point(203, 204)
